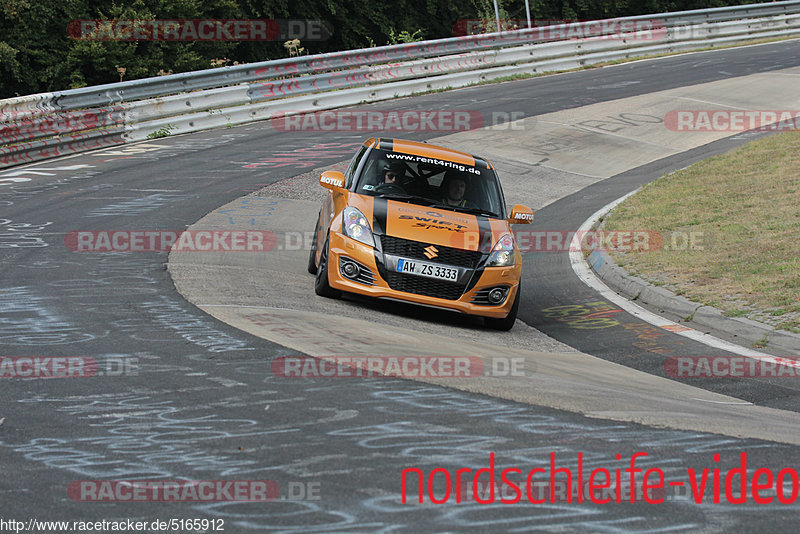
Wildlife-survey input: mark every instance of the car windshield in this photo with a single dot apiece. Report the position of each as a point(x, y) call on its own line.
point(431, 182)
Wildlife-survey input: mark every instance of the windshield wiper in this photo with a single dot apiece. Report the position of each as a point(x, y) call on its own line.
point(475, 211)
point(436, 204)
point(408, 198)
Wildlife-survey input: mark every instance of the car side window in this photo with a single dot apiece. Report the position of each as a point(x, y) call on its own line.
point(368, 179)
point(369, 170)
point(351, 169)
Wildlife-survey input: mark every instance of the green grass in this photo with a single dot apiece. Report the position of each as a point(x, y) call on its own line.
point(161, 132)
point(743, 211)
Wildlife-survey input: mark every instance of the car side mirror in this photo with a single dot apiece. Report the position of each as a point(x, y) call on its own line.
point(521, 215)
point(333, 180)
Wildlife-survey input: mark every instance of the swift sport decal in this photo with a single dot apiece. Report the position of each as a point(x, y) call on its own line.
point(428, 225)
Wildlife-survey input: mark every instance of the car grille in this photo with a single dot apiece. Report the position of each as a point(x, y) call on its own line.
point(419, 285)
point(416, 250)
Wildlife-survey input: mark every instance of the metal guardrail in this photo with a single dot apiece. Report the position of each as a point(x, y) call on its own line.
point(45, 125)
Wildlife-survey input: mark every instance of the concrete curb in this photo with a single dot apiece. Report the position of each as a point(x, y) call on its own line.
point(745, 332)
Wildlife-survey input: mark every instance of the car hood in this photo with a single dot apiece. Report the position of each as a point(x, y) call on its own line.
point(432, 225)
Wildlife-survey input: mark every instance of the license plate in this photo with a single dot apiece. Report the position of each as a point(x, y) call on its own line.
point(431, 270)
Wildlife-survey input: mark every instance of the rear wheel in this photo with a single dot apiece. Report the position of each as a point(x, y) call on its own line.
point(321, 285)
point(505, 324)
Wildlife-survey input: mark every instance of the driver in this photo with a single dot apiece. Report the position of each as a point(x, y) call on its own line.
point(392, 172)
point(454, 187)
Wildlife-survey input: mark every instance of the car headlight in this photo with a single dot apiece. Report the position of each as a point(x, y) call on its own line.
point(355, 226)
point(503, 252)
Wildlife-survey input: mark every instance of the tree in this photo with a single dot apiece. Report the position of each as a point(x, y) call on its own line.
point(41, 48)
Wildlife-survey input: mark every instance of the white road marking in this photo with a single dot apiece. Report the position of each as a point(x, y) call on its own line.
point(588, 277)
point(744, 403)
point(38, 169)
point(6, 181)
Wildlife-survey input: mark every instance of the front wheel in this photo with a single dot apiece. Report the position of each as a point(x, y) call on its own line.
point(312, 256)
point(321, 285)
point(505, 324)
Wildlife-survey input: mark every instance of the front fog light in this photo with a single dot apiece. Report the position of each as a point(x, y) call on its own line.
point(349, 269)
point(497, 295)
point(503, 252)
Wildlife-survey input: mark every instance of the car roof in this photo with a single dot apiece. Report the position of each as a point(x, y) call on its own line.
point(428, 150)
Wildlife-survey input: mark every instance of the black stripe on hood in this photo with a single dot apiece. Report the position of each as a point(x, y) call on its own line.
point(485, 247)
point(386, 144)
point(380, 208)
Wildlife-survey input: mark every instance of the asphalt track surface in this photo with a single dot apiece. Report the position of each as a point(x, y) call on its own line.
point(618, 336)
point(199, 401)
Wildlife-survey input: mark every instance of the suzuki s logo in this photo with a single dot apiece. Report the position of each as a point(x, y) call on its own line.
point(431, 252)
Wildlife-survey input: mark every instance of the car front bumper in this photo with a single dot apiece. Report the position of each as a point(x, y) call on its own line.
point(472, 300)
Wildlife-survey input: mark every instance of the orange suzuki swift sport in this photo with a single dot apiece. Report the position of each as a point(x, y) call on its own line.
point(421, 224)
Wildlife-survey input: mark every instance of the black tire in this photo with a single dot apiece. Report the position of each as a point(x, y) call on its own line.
point(312, 256)
point(321, 285)
point(508, 321)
